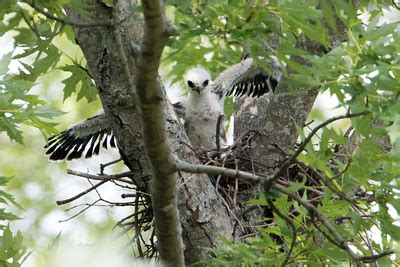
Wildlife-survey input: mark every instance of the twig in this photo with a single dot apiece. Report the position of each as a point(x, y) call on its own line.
point(102, 178)
point(328, 184)
point(99, 23)
point(103, 166)
point(341, 172)
point(327, 236)
point(135, 195)
point(395, 5)
point(218, 135)
point(137, 227)
point(249, 209)
point(214, 170)
point(373, 258)
point(80, 212)
point(294, 230)
point(303, 144)
point(313, 211)
point(118, 177)
point(62, 202)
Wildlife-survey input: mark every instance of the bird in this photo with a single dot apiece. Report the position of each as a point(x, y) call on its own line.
point(205, 103)
point(200, 111)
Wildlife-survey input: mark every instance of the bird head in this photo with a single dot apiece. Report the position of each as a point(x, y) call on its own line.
point(197, 79)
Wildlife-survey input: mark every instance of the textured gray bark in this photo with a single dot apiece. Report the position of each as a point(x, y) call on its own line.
point(277, 117)
point(203, 215)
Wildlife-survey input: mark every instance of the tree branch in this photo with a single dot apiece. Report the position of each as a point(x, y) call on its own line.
point(215, 170)
point(62, 202)
point(313, 211)
point(303, 144)
point(102, 178)
point(67, 21)
point(292, 226)
point(150, 103)
point(118, 177)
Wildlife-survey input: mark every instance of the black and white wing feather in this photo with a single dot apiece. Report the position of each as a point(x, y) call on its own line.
point(72, 143)
point(246, 78)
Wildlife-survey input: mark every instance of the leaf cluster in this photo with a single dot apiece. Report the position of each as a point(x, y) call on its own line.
point(36, 54)
point(12, 250)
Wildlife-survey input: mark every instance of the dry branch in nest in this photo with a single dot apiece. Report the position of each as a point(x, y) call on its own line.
point(140, 222)
point(236, 192)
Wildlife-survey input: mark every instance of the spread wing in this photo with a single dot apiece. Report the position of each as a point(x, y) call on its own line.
point(72, 143)
point(246, 78)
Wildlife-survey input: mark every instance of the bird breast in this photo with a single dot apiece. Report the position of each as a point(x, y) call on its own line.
point(201, 119)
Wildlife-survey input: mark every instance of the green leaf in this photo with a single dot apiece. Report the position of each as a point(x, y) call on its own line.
point(273, 194)
point(88, 90)
point(4, 62)
point(6, 216)
point(327, 10)
point(46, 112)
point(261, 200)
point(79, 77)
point(302, 20)
point(4, 180)
point(381, 31)
point(228, 107)
point(25, 37)
point(392, 230)
point(69, 33)
point(42, 65)
point(10, 198)
point(6, 6)
point(294, 187)
point(109, 3)
point(11, 129)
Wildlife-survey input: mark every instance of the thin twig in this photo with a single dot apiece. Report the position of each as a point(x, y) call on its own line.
point(373, 258)
point(118, 177)
point(218, 135)
point(62, 202)
point(80, 212)
point(313, 211)
point(303, 144)
point(99, 23)
point(240, 215)
point(103, 166)
point(294, 230)
point(137, 227)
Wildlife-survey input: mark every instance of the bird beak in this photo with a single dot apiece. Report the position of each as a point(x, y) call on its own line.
point(197, 89)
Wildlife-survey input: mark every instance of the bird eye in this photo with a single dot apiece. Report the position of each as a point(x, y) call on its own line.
point(190, 84)
point(205, 83)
